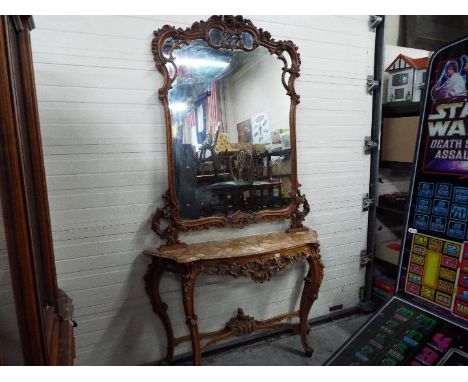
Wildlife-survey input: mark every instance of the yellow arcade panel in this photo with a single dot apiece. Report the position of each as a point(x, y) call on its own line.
point(432, 269)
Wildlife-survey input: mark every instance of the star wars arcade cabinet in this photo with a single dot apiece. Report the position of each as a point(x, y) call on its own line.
point(426, 321)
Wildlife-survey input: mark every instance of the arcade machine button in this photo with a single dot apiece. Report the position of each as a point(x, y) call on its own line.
point(390, 327)
point(427, 356)
point(441, 342)
point(379, 340)
point(365, 353)
point(412, 337)
point(400, 347)
point(389, 362)
point(387, 330)
point(403, 314)
point(392, 324)
point(424, 324)
point(398, 351)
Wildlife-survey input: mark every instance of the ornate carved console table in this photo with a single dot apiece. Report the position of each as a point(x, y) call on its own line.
point(257, 257)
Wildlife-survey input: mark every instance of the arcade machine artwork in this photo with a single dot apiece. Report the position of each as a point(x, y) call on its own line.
point(426, 322)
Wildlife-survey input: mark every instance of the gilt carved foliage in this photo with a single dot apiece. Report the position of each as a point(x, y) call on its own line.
point(241, 324)
point(259, 269)
point(301, 211)
point(163, 222)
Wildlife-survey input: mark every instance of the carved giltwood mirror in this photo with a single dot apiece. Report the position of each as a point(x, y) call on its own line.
point(230, 112)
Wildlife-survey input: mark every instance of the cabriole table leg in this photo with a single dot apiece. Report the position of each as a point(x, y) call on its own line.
point(152, 280)
point(188, 278)
point(309, 294)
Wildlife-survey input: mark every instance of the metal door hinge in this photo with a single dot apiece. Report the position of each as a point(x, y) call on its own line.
point(374, 22)
point(372, 84)
point(364, 257)
point(370, 144)
point(367, 202)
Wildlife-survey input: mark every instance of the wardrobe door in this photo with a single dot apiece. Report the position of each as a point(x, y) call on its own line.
point(43, 314)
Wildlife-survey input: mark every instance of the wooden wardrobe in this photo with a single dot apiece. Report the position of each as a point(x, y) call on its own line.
point(43, 312)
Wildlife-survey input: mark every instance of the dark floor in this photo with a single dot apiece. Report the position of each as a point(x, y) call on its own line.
point(286, 349)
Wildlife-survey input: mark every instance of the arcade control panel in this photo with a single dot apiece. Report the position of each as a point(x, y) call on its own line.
point(438, 263)
point(438, 273)
point(402, 334)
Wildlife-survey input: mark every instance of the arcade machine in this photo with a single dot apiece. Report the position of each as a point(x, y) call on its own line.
point(426, 321)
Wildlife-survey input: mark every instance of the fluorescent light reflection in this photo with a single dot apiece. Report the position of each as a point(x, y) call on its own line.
point(178, 107)
point(200, 62)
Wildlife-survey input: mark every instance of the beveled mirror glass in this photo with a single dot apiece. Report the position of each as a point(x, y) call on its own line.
point(229, 102)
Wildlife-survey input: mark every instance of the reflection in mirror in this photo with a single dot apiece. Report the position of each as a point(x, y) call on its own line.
point(171, 70)
point(167, 47)
point(230, 129)
point(247, 40)
point(215, 36)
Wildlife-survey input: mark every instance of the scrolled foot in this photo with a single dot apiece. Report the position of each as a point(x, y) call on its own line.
point(305, 343)
point(309, 350)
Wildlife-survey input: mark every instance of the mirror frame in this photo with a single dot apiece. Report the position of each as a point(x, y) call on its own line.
point(231, 28)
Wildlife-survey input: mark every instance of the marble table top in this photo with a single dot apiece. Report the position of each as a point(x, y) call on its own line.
point(237, 247)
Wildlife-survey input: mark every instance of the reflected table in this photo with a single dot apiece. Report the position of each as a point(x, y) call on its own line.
point(233, 191)
point(257, 257)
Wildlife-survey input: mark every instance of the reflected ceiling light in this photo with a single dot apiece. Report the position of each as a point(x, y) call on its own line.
point(178, 106)
point(201, 62)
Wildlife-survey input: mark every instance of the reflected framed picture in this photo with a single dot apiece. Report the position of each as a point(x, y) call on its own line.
point(261, 129)
point(244, 131)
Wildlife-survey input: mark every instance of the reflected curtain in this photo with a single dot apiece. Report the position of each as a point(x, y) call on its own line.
point(216, 107)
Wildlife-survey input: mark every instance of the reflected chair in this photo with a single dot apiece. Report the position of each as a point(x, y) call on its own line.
point(224, 154)
point(261, 169)
point(236, 193)
point(244, 169)
point(205, 162)
point(206, 157)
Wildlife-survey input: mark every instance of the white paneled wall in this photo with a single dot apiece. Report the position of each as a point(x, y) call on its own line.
point(104, 145)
